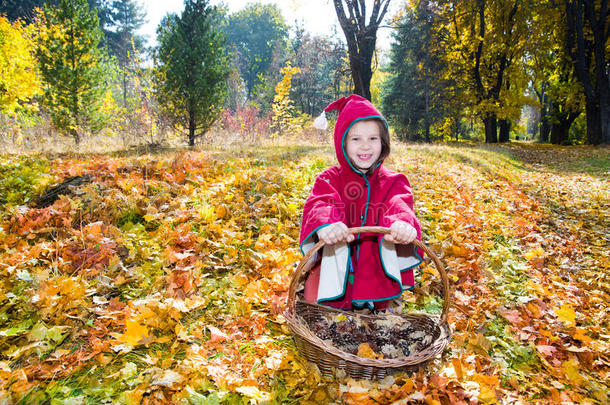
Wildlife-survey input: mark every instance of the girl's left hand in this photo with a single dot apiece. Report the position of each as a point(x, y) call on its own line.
point(401, 232)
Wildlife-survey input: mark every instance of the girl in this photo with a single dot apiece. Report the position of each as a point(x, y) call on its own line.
point(364, 269)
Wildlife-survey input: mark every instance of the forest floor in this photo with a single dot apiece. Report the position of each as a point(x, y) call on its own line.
point(163, 277)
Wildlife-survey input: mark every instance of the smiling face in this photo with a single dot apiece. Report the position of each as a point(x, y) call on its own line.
point(363, 144)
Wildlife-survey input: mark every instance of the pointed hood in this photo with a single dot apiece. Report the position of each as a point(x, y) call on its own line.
point(351, 110)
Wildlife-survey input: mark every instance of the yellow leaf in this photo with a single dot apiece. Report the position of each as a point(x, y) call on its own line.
point(487, 395)
point(134, 332)
point(571, 367)
point(534, 253)
point(566, 314)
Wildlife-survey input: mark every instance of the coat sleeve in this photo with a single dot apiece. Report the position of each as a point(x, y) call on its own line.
point(323, 207)
point(400, 207)
point(399, 203)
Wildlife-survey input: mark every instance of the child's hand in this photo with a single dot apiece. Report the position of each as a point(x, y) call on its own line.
point(401, 232)
point(334, 233)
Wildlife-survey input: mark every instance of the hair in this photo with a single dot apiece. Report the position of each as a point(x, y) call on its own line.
point(384, 135)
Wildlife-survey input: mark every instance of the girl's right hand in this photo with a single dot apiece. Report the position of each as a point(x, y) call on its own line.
point(334, 233)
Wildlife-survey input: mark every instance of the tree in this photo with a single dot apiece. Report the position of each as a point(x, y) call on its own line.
point(587, 34)
point(484, 40)
point(361, 38)
point(73, 67)
point(283, 106)
point(125, 19)
point(19, 77)
point(558, 92)
point(417, 95)
point(122, 38)
point(255, 34)
point(323, 71)
point(191, 68)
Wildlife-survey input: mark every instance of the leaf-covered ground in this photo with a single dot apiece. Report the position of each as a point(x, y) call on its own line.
point(164, 278)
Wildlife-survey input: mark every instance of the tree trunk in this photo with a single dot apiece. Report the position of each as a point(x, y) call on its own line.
point(361, 39)
point(562, 121)
point(76, 136)
point(427, 110)
point(560, 133)
point(191, 130)
point(594, 132)
point(604, 113)
point(586, 39)
point(491, 128)
point(504, 131)
point(545, 120)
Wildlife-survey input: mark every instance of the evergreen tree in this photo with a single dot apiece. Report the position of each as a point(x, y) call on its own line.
point(125, 18)
point(73, 67)
point(191, 68)
point(322, 63)
point(417, 95)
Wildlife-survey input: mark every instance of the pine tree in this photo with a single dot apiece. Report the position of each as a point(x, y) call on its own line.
point(191, 68)
point(125, 18)
point(73, 67)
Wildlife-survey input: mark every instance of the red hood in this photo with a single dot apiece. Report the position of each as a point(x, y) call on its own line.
point(351, 110)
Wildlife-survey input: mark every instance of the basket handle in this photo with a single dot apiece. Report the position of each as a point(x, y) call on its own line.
point(300, 270)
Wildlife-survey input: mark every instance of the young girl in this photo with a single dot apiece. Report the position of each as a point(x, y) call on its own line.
point(365, 269)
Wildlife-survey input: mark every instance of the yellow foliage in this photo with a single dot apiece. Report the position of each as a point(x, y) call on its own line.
point(134, 332)
point(283, 109)
point(19, 77)
point(566, 314)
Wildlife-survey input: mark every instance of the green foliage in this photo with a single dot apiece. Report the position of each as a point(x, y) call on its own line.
point(124, 19)
point(325, 73)
point(22, 178)
point(191, 68)
point(256, 34)
point(416, 69)
point(74, 68)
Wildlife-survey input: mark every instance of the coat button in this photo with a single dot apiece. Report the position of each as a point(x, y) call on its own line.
point(361, 216)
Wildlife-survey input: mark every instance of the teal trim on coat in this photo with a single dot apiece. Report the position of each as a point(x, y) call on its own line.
point(379, 299)
point(368, 188)
point(309, 236)
point(401, 270)
point(349, 256)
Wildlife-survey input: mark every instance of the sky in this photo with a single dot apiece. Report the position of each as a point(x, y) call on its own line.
point(316, 16)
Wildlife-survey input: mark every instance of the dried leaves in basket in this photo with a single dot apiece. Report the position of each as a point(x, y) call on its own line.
point(390, 337)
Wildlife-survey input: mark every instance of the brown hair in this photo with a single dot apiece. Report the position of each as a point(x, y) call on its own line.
point(384, 135)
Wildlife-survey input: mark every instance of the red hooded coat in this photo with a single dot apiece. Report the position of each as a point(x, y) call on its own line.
point(370, 271)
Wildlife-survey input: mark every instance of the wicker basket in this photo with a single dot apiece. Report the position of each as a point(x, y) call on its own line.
point(327, 356)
